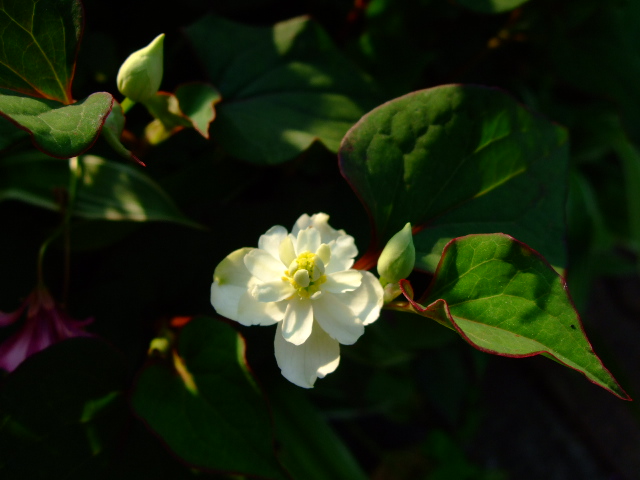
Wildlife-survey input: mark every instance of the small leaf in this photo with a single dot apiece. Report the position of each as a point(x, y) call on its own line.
point(39, 46)
point(112, 133)
point(58, 130)
point(106, 190)
point(197, 102)
point(207, 409)
point(283, 87)
point(492, 6)
point(503, 298)
point(456, 160)
point(192, 106)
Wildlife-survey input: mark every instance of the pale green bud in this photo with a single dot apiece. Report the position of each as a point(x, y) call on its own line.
point(398, 257)
point(140, 75)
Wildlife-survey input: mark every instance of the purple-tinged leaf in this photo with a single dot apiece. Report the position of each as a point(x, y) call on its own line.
point(62, 131)
point(39, 46)
point(503, 298)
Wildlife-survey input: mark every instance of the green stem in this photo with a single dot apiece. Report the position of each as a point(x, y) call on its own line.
point(126, 104)
point(67, 210)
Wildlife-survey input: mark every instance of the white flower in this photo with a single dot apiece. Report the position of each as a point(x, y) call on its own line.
point(302, 281)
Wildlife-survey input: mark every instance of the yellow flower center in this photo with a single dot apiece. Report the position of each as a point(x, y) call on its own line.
point(306, 274)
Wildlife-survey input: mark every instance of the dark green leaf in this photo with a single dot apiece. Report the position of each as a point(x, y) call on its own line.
point(504, 298)
point(62, 412)
point(492, 6)
point(282, 87)
point(59, 130)
point(457, 160)
point(39, 46)
point(207, 408)
point(105, 190)
point(310, 448)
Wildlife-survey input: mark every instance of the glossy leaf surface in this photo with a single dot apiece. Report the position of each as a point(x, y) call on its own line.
point(282, 87)
point(456, 160)
point(207, 409)
point(504, 298)
point(58, 130)
point(39, 46)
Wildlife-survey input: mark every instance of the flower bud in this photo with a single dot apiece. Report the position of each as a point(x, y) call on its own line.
point(398, 257)
point(140, 75)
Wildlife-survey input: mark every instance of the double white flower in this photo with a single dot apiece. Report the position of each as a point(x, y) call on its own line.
point(302, 281)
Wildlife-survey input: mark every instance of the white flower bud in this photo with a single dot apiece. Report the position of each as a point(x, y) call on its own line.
point(398, 257)
point(140, 75)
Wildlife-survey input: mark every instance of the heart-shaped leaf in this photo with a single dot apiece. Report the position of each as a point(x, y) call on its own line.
point(456, 160)
point(105, 189)
point(282, 87)
point(58, 130)
point(39, 46)
point(207, 408)
point(503, 298)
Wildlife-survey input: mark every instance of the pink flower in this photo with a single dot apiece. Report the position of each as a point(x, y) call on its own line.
point(45, 324)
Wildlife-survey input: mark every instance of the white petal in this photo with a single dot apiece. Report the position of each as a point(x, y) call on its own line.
point(298, 320)
point(341, 282)
point(324, 252)
point(253, 312)
point(337, 319)
point(308, 240)
point(263, 265)
point(226, 299)
point(272, 291)
point(343, 250)
point(231, 280)
point(302, 223)
point(270, 241)
point(232, 270)
point(366, 301)
point(303, 364)
point(286, 251)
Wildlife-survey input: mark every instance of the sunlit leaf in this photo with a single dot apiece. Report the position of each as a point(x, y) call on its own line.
point(105, 190)
point(39, 46)
point(282, 87)
point(59, 130)
point(206, 406)
point(456, 160)
point(504, 298)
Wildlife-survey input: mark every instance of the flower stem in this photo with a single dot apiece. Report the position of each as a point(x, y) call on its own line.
point(66, 208)
point(127, 104)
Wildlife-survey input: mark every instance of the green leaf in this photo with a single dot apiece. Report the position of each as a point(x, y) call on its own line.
point(492, 6)
point(192, 106)
point(310, 449)
point(105, 190)
point(207, 409)
point(62, 412)
point(503, 298)
point(40, 41)
point(456, 160)
point(282, 87)
point(197, 102)
point(58, 130)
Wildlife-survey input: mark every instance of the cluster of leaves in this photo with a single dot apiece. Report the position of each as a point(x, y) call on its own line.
point(248, 139)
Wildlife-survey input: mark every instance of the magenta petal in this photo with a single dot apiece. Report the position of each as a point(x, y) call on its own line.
point(45, 324)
